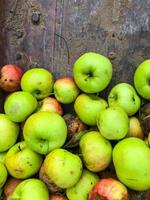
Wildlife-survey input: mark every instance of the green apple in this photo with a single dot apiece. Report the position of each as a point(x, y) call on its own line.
point(131, 158)
point(21, 162)
point(92, 72)
point(142, 79)
point(19, 105)
point(30, 189)
point(83, 187)
point(9, 132)
point(96, 151)
point(149, 140)
point(37, 81)
point(113, 123)
point(89, 107)
point(125, 96)
point(3, 174)
point(65, 90)
point(2, 156)
point(63, 168)
point(45, 131)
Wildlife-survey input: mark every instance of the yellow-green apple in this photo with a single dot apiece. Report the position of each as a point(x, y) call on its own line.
point(109, 189)
point(9, 132)
point(50, 104)
point(135, 129)
point(149, 139)
point(82, 188)
point(65, 90)
point(63, 168)
point(92, 72)
point(113, 123)
point(131, 158)
point(44, 131)
point(96, 151)
point(37, 81)
point(2, 156)
point(19, 105)
point(125, 96)
point(142, 79)
point(21, 162)
point(10, 77)
point(3, 175)
point(88, 107)
point(30, 189)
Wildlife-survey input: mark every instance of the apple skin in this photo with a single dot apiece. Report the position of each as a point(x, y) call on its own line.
point(135, 129)
point(19, 105)
point(149, 140)
point(131, 158)
point(3, 175)
point(92, 72)
point(113, 123)
point(9, 132)
point(96, 151)
point(50, 104)
point(10, 78)
point(38, 82)
point(65, 90)
point(2, 156)
point(63, 168)
point(142, 79)
point(44, 131)
point(83, 187)
point(124, 95)
point(21, 162)
point(88, 107)
point(57, 197)
point(30, 189)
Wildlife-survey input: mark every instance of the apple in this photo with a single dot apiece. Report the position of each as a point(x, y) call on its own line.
point(65, 90)
point(50, 104)
point(3, 175)
point(149, 139)
point(113, 123)
point(30, 189)
point(9, 132)
point(142, 79)
point(19, 105)
point(88, 107)
point(10, 77)
point(131, 158)
point(135, 129)
point(2, 156)
point(109, 189)
point(63, 168)
point(57, 197)
point(37, 81)
point(44, 131)
point(21, 162)
point(92, 72)
point(124, 95)
point(96, 151)
point(83, 186)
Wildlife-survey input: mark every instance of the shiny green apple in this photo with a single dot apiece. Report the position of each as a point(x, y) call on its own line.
point(3, 175)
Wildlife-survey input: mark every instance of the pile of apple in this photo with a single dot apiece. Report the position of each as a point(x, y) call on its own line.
point(47, 154)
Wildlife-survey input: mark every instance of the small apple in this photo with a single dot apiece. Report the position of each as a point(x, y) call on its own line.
point(65, 90)
point(124, 95)
point(50, 104)
point(3, 175)
point(131, 158)
point(44, 131)
point(2, 156)
point(135, 129)
point(63, 168)
point(19, 105)
point(83, 186)
point(21, 162)
point(10, 77)
point(9, 132)
point(30, 189)
point(57, 197)
point(142, 79)
point(113, 123)
point(37, 81)
point(96, 151)
point(89, 107)
point(92, 72)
